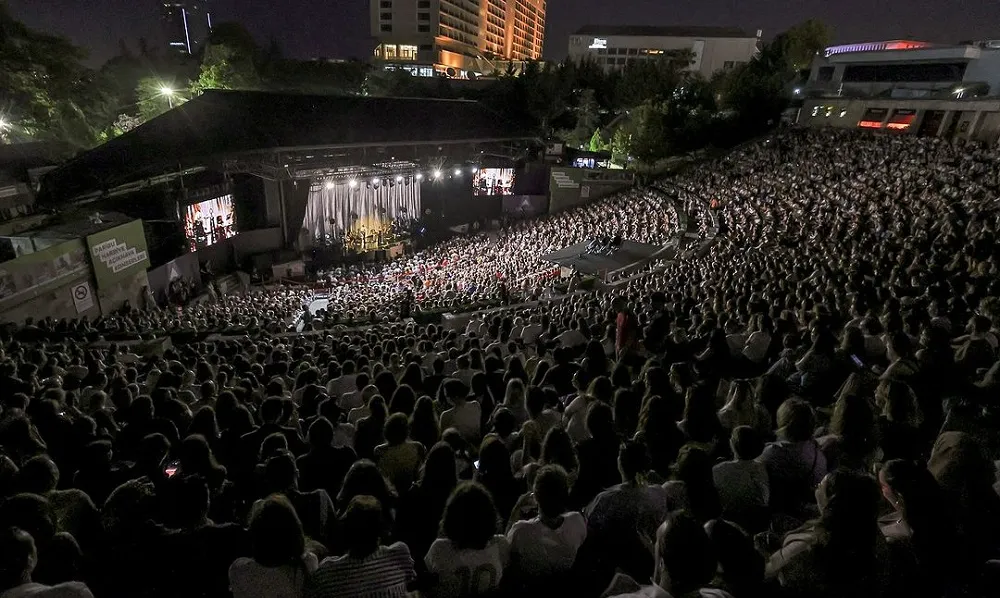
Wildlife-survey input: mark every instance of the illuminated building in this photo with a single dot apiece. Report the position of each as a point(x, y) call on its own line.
point(186, 24)
point(906, 86)
point(457, 38)
point(713, 48)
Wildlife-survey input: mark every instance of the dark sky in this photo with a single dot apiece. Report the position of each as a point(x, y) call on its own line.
point(339, 28)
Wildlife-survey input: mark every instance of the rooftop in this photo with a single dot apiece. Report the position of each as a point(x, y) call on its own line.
point(661, 31)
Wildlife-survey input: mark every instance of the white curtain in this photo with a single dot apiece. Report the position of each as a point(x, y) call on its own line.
point(340, 209)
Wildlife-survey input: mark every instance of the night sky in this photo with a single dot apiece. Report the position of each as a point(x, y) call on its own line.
point(339, 28)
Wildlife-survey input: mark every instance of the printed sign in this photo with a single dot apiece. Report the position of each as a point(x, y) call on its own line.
point(83, 297)
point(118, 252)
point(34, 271)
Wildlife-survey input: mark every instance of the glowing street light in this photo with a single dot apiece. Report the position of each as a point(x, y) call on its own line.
point(420, 176)
point(168, 93)
point(437, 174)
point(352, 183)
point(458, 172)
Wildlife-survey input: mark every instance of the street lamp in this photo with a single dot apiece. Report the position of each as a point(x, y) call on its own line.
point(169, 93)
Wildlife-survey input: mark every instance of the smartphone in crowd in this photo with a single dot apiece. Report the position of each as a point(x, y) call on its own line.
point(857, 361)
point(172, 468)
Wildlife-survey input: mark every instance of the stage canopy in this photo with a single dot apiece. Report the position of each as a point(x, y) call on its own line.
point(285, 136)
point(578, 258)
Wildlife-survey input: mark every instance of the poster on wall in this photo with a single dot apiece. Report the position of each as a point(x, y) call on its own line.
point(83, 297)
point(44, 267)
point(209, 222)
point(118, 253)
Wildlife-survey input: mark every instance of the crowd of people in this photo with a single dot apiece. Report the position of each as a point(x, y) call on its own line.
point(807, 410)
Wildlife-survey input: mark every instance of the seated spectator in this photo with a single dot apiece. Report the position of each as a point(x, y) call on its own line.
point(399, 458)
point(325, 465)
point(314, 508)
point(369, 568)
point(795, 463)
point(279, 564)
point(18, 558)
point(742, 483)
point(468, 544)
point(464, 415)
point(546, 545)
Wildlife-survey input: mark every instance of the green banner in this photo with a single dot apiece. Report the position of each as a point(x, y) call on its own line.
point(118, 252)
point(40, 269)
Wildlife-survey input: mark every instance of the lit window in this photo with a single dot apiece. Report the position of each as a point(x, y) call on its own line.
point(407, 52)
point(390, 52)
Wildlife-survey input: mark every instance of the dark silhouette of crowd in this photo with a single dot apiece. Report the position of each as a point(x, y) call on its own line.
point(807, 409)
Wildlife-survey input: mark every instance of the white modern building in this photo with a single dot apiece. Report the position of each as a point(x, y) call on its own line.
point(615, 46)
point(906, 86)
point(457, 38)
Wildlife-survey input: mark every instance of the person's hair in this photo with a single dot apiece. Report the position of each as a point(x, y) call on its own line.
point(397, 428)
point(694, 468)
point(438, 473)
point(854, 421)
point(504, 422)
point(796, 421)
point(17, 548)
point(403, 400)
point(923, 506)
point(552, 490)
point(276, 532)
point(364, 478)
point(514, 395)
point(626, 408)
point(746, 443)
point(470, 517)
point(320, 433)
point(280, 472)
point(847, 531)
point(742, 566)
point(38, 475)
point(363, 525)
point(196, 457)
point(686, 553)
point(494, 460)
point(558, 449)
point(701, 421)
point(633, 461)
point(192, 498)
point(601, 422)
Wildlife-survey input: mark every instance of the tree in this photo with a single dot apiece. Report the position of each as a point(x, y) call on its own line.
point(153, 97)
point(229, 60)
point(794, 49)
point(587, 118)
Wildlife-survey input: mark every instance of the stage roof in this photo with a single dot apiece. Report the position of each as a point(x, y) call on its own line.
point(577, 257)
point(219, 125)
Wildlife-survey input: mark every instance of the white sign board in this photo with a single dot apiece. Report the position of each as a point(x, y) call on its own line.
point(117, 256)
point(598, 44)
point(83, 297)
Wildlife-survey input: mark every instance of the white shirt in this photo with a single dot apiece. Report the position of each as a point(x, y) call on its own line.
point(341, 385)
point(572, 338)
point(350, 400)
point(757, 346)
point(540, 550)
point(531, 332)
point(463, 573)
point(72, 589)
point(249, 579)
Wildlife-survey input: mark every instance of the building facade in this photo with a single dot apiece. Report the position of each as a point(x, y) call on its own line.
point(614, 47)
point(906, 87)
point(185, 24)
point(457, 38)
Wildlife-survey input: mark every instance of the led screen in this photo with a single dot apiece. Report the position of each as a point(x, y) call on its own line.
point(209, 222)
point(493, 181)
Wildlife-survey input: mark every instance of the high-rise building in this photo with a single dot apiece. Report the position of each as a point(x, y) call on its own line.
point(457, 38)
point(186, 24)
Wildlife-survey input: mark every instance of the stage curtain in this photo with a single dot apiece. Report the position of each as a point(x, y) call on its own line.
point(334, 211)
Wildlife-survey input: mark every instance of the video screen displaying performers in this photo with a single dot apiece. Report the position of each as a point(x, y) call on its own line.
point(209, 222)
point(493, 181)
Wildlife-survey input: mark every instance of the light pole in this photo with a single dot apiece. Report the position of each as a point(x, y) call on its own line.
point(169, 93)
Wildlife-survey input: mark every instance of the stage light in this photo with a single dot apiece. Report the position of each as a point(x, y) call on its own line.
point(352, 183)
point(375, 181)
point(458, 172)
point(475, 169)
point(437, 174)
point(399, 178)
point(420, 176)
point(330, 185)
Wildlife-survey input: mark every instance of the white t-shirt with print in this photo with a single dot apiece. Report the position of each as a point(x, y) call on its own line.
point(250, 579)
point(466, 572)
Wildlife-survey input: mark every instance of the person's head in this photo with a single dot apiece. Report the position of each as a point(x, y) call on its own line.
point(470, 517)
point(601, 422)
point(271, 410)
point(280, 473)
point(853, 420)
point(742, 566)
point(552, 491)
point(276, 532)
point(633, 462)
point(397, 429)
point(515, 394)
point(796, 421)
point(746, 443)
point(558, 449)
point(363, 524)
point(504, 422)
point(686, 560)
point(439, 472)
point(38, 475)
point(320, 433)
point(18, 557)
point(364, 478)
point(849, 506)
